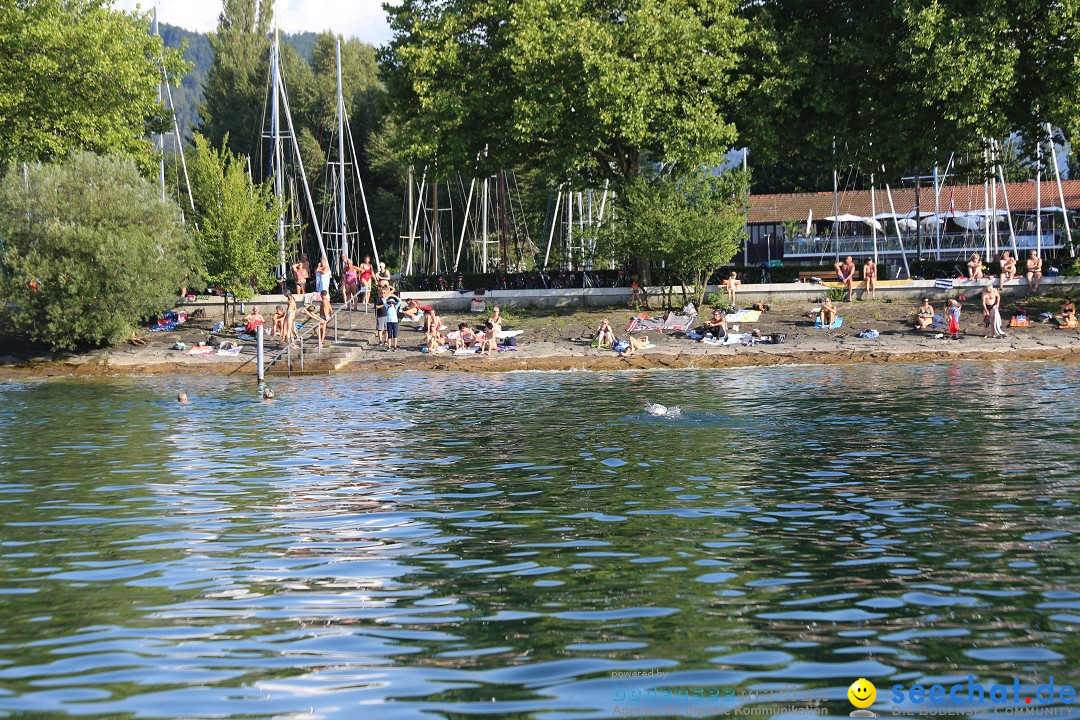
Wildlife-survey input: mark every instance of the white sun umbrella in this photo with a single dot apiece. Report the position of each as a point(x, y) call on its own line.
point(931, 220)
point(845, 217)
point(969, 222)
point(906, 223)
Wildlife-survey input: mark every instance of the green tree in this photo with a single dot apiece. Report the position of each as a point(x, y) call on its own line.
point(79, 75)
point(692, 221)
point(89, 250)
point(570, 86)
point(902, 83)
point(236, 85)
point(235, 222)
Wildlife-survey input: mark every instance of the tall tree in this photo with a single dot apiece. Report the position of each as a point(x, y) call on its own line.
point(89, 250)
point(576, 87)
point(235, 222)
point(77, 75)
point(902, 83)
point(692, 221)
point(236, 84)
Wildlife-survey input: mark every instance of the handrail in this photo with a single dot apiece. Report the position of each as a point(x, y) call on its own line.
point(305, 333)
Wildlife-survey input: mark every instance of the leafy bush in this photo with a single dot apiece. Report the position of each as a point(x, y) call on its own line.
point(88, 250)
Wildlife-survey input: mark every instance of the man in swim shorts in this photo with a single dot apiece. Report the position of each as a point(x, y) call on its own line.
point(846, 272)
point(991, 302)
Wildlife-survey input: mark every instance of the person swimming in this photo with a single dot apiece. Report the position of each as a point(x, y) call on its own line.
point(658, 410)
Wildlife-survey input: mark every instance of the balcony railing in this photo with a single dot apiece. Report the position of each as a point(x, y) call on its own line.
point(944, 248)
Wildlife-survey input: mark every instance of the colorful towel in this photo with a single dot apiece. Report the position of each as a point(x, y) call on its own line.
point(944, 283)
point(836, 323)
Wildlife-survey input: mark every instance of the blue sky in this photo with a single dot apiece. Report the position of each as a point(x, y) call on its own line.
point(364, 19)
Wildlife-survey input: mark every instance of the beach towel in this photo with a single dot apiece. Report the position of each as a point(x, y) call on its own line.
point(507, 348)
point(743, 316)
point(869, 334)
point(167, 327)
point(836, 323)
point(467, 351)
point(503, 334)
point(944, 283)
point(201, 350)
point(230, 352)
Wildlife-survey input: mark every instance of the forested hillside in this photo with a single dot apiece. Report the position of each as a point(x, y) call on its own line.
point(187, 97)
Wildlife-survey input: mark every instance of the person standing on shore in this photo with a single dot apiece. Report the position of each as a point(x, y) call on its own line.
point(952, 315)
point(366, 273)
point(301, 272)
point(732, 281)
point(350, 279)
point(845, 271)
point(869, 273)
point(289, 334)
point(380, 314)
point(391, 303)
point(991, 302)
point(432, 330)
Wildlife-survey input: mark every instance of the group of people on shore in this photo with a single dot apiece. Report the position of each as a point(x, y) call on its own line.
point(926, 318)
point(356, 280)
point(1033, 269)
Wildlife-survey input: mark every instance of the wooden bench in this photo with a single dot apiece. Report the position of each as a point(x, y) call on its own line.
point(824, 276)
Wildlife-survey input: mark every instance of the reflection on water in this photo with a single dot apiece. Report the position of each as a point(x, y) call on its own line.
point(452, 545)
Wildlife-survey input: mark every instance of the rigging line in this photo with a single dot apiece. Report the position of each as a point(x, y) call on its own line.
point(262, 120)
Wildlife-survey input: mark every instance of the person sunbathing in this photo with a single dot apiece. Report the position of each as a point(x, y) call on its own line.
point(465, 337)
point(278, 328)
point(495, 318)
point(924, 315)
point(432, 330)
point(1068, 315)
point(411, 310)
point(253, 320)
point(827, 314)
point(635, 344)
point(604, 336)
point(490, 344)
point(715, 326)
point(1034, 271)
point(1008, 267)
point(975, 267)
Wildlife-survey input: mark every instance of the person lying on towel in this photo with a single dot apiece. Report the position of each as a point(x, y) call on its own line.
point(715, 326)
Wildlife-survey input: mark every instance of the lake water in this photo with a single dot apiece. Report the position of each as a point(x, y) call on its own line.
point(513, 546)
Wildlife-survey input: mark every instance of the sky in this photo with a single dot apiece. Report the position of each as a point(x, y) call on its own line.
point(364, 19)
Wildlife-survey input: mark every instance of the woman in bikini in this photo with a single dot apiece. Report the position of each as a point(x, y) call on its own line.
point(924, 317)
point(465, 337)
point(383, 275)
point(351, 281)
point(1068, 315)
point(366, 274)
point(490, 345)
point(869, 273)
point(301, 271)
point(604, 336)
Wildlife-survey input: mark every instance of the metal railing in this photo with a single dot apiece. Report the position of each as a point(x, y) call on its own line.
point(305, 333)
point(948, 245)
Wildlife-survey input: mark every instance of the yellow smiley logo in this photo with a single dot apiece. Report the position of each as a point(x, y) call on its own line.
point(862, 693)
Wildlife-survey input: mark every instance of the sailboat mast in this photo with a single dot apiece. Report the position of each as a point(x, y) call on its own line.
point(160, 136)
point(484, 230)
point(343, 243)
point(276, 155)
point(1038, 198)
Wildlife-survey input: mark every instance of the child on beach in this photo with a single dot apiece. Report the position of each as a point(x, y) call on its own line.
point(952, 316)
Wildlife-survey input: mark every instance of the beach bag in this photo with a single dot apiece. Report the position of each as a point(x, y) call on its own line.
point(1019, 319)
point(778, 338)
point(620, 346)
point(509, 342)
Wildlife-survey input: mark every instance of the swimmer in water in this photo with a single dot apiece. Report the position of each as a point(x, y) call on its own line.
point(658, 410)
point(181, 397)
